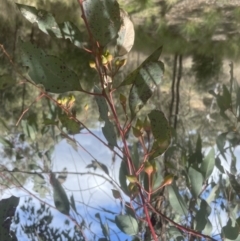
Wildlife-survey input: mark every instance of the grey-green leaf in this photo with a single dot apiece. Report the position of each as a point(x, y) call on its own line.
point(161, 131)
point(202, 215)
point(148, 78)
point(71, 125)
point(229, 231)
point(123, 172)
point(174, 232)
point(59, 195)
point(126, 35)
point(208, 164)
point(47, 23)
point(102, 104)
point(127, 224)
point(224, 101)
point(177, 202)
point(48, 71)
point(103, 19)
point(159, 125)
point(221, 141)
point(213, 194)
point(152, 58)
point(196, 181)
point(109, 133)
point(73, 204)
point(7, 210)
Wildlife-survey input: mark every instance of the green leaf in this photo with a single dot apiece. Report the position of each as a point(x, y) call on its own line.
point(152, 58)
point(208, 228)
point(135, 155)
point(221, 141)
point(47, 23)
point(126, 35)
point(6, 81)
point(224, 101)
point(160, 126)
point(161, 132)
point(59, 195)
point(202, 215)
point(98, 165)
point(218, 164)
point(7, 210)
point(213, 194)
point(108, 129)
point(48, 71)
point(177, 202)
point(71, 125)
point(237, 239)
point(174, 232)
point(102, 104)
point(229, 231)
point(147, 78)
point(157, 176)
point(72, 203)
point(208, 164)
point(69, 31)
point(123, 172)
point(110, 134)
point(103, 19)
point(130, 211)
point(127, 224)
point(196, 181)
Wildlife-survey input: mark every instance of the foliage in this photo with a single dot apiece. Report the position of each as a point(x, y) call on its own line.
point(156, 199)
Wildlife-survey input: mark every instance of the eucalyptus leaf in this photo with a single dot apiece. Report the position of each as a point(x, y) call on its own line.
point(110, 133)
point(127, 224)
point(196, 179)
point(161, 131)
point(47, 23)
point(224, 101)
point(123, 172)
point(7, 211)
point(126, 35)
point(49, 71)
point(152, 58)
point(98, 165)
point(148, 77)
point(59, 195)
point(208, 228)
point(71, 125)
point(202, 215)
point(176, 200)
point(208, 164)
point(103, 19)
point(229, 231)
point(174, 232)
point(221, 141)
point(73, 204)
point(213, 194)
point(102, 104)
